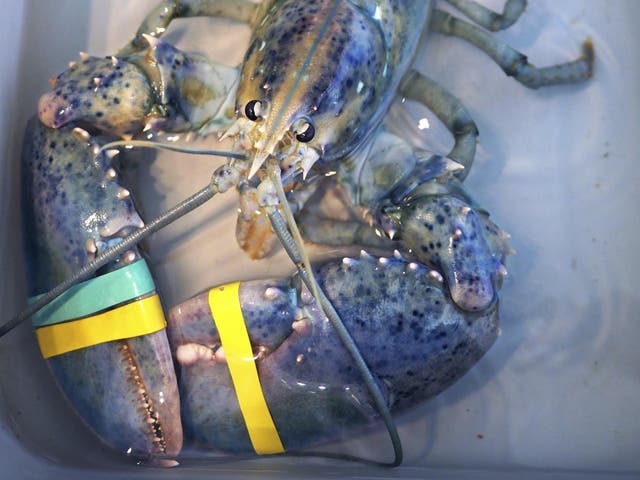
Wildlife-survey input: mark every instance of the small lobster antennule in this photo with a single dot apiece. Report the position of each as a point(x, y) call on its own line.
point(285, 140)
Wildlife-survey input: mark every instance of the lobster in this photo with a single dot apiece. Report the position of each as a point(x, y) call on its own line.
point(265, 366)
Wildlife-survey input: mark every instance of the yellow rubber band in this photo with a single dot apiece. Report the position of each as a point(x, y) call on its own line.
point(227, 315)
point(131, 320)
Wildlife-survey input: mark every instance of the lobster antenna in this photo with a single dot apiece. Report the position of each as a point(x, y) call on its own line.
point(292, 248)
point(128, 144)
point(287, 231)
point(275, 177)
point(222, 179)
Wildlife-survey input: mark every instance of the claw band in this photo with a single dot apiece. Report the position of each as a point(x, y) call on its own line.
point(97, 294)
point(132, 320)
point(105, 308)
point(227, 316)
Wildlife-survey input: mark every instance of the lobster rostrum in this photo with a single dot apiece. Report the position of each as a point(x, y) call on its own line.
point(261, 365)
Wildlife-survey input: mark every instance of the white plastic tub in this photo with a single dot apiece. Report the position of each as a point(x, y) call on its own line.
point(556, 397)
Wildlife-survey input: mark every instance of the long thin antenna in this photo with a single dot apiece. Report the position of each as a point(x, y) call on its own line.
point(291, 246)
point(275, 177)
point(127, 144)
point(223, 178)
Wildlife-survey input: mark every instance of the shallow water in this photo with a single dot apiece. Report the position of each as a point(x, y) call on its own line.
point(556, 169)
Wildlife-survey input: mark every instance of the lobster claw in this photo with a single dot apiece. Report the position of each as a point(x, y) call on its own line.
point(293, 384)
point(105, 338)
point(469, 249)
point(109, 353)
point(113, 95)
point(163, 86)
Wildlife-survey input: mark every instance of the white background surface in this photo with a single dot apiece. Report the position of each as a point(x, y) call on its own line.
point(557, 168)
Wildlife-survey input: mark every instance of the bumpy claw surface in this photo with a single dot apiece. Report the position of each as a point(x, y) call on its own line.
point(112, 95)
point(413, 196)
point(415, 343)
point(446, 232)
point(126, 392)
point(74, 206)
point(162, 88)
point(73, 202)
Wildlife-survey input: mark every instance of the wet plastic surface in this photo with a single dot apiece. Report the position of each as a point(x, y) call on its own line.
point(557, 395)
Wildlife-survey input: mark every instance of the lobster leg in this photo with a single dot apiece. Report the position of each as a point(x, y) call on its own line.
point(328, 231)
point(489, 19)
point(512, 62)
point(450, 111)
point(399, 316)
point(157, 21)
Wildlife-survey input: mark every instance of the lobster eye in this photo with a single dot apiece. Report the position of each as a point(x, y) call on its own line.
point(253, 110)
point(306, 132)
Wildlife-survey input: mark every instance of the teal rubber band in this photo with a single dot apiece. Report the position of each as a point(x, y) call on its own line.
point(97, 294)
